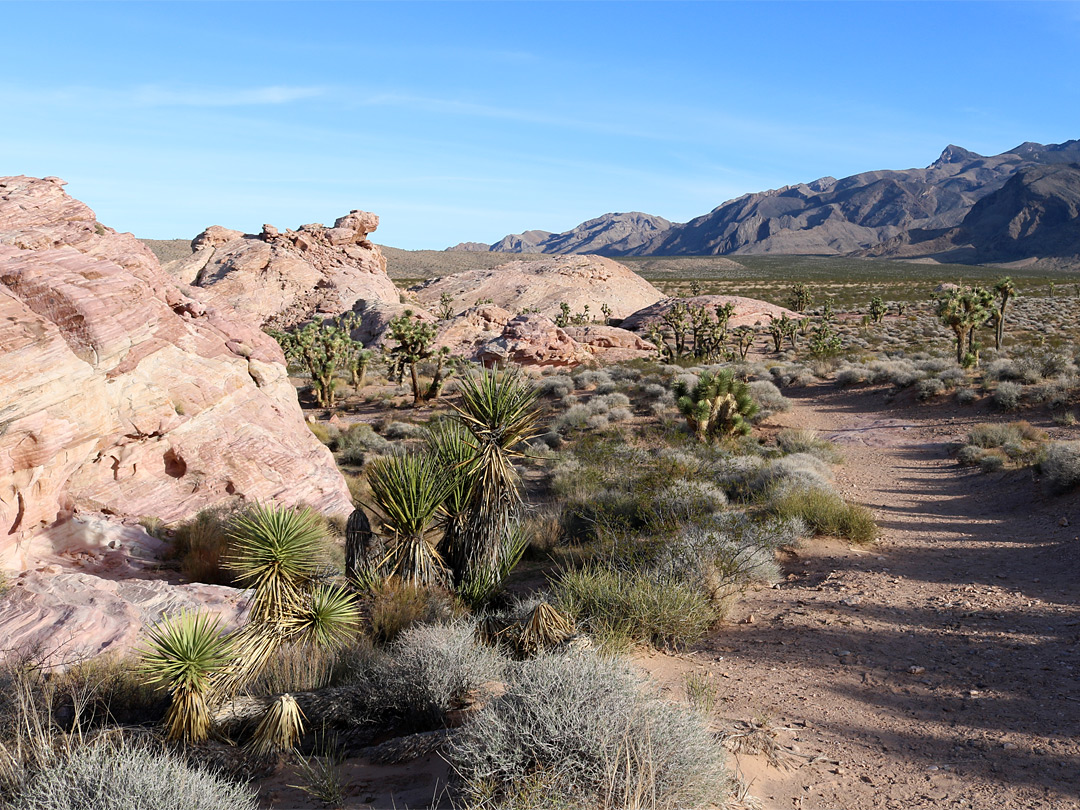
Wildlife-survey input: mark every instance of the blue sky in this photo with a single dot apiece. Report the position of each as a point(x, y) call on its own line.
point(468, 121)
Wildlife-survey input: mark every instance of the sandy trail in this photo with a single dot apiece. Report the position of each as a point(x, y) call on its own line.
point(937, 668)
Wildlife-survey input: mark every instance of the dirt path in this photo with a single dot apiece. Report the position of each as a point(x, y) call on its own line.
point(938, 668)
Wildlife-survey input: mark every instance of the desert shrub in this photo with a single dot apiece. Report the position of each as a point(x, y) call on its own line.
point(582, 732)
point(952, 377)
point(404, 430)
point(201, 543)
point(557, 385)
point(322, 432)
point(852, 375)
point(636, 605)
point(575, 418)
point(792, 440)
point(683, 501)
point(395, 606)
point(826, 513)
point(359, 444)
point(591, 379)
point(768, 398)
point(1002, 369)
point(1007, 396)
point(428, 671)
point(619, 415)
point(969, 455)
point(901, 373)
point(106, 689)
point(654, 391)
point(602, 403)
point(737, 475)
point(992, 461)
point(787, 473)
point(965, 396)
point(128, 776)
point(1061, 466)
point(931, 387)
point(997, 434)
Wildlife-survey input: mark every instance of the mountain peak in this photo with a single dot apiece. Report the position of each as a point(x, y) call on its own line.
point(956, 154)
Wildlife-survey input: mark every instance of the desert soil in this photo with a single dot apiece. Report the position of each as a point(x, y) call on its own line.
point(935, 668)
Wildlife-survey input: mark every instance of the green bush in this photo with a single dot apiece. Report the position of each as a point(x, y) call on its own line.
point(201, 544)
point(582, 732)
point(128, 776)
point(619, 607)
point(826, 513)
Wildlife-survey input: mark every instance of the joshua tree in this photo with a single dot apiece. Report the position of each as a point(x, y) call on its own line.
point(744, 339)
point(964, 311)
point(324, 348)
point(677, 319)
point(800, 298)
point(1005, 290)
point(877, 309)
point(414, 338)
point(824, 342)
point(446, 307)
point(780, 328)
point(718, 405)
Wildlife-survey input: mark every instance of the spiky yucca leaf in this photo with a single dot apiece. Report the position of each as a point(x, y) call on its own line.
point(718, 405)
point(328, 620)
point(482, 583)
point(451, 443)
point(499, 408)
point(276, 551)
point(280, 728)
point(409, 492)
point(546, 628)
point(184, 652)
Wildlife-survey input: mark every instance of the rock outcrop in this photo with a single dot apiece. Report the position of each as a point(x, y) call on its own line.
point(542, 285)
point(282, 279)
point(533, 340)
point(748, 311)
point(123, 395)
point(610, 344)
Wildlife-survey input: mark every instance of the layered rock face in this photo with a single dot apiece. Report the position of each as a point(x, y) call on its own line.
point(282, 279)
point(123, 395)
point(748, 311)
point(541, 285)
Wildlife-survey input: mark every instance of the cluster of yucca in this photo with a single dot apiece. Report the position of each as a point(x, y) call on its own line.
point(450, 514)
point(277, 552)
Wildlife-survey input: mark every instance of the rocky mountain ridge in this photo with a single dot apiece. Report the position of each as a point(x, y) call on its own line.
point(826, 217)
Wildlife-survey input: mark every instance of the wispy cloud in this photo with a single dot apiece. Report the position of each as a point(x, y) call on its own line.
point(159, 96)
point(155, 95)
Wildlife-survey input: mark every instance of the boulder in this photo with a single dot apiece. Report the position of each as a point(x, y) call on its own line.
point(542, 285)
point(748, 311)
point(533, 340)
point(610, 344)
point(466, 333)
point(282, 279)
point(121, 394)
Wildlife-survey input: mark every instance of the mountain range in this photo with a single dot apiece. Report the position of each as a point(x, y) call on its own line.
point(967, 207)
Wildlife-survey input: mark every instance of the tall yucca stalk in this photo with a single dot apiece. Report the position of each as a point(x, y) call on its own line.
point(499, 411)
point(277, 551)
point(450, 442)
point(184, 652)
point(409, 492)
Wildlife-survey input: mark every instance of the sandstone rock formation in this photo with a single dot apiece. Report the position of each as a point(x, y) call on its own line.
point(541, 285)
point(120, 394)
point(99, 598)
point(285, 278)
point(533, 340)
point(610, 344)
point(748, 311)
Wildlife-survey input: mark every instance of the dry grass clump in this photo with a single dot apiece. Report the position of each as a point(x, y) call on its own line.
point(201, 544)
point(114, 774)
point(582, 732)
point(827, 513)
point(634, 605)
point(793, 440)
point(394, 606)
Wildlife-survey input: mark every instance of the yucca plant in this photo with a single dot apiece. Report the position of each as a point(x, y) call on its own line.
point(280, 728)
point(184, 652)
point(450, 442)
point(718, 405)
point(409, 492)
point(479, 585)
point(277, 551)
point(545, 628)
point(499, 411)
